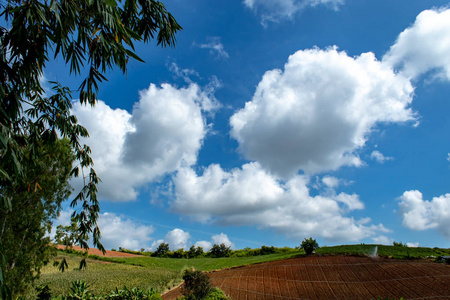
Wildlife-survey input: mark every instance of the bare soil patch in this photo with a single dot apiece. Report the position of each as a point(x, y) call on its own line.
point(333, 277)
point(94, 251)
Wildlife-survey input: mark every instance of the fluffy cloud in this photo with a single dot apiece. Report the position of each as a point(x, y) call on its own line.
point(412, 245)
point(177, 239)
point(276, 10)
point(222, 239)
point(251, 196)
point(117, 231)
point(163, 133)
point(383, 240)
point(379, 157)
point(120, 232)
point(204, 244)
point(424, 46)
point(419, 214)
point(215, 239)
point(317, 113)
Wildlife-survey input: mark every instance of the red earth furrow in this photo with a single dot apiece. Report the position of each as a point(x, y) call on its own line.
point(422, 283)
point(359, 285)
point(299, 288)
point(308, 284)
point(282, 282)
point(388, 280)
point(381, 289)
point(334, 278)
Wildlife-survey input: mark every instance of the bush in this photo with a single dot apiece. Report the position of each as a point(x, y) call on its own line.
point(195, 251)
point(196, 285)
point(132, 294)
point(162, 250)
point(309, 245)
point(220, 250)
point(80, 291)
point(178, 253)
point(216, 294)
point(398, 244)
point(267, 250)
point(44, 292)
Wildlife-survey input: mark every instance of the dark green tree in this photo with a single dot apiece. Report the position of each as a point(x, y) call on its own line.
point(162, 250)
point(309, 245)
point(67, 235)
point(91, 37)
point(195, 251)
point(196, 285)
point(220, 250)
point(36, 201)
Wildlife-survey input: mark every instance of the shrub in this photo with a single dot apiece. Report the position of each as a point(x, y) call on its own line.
point(178, 253)
point(43, 292)
point(162, 250)
point(216, 294)
point(267, 250)
point(398, 244)
point(309, 245)
point(132, 294)
point(195, 251)
point(196, 285)
point(220, 250)
point(80, 291)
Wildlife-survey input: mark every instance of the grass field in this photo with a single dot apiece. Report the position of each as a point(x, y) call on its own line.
point(162, 273)
point(384, 251)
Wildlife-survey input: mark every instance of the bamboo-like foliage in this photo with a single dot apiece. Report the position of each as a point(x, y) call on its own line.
point(92, 37)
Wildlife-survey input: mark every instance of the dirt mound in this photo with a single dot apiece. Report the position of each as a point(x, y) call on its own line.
point(334, 277)
point(108, 253)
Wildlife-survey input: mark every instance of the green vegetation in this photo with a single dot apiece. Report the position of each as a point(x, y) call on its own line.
point(396, 252)
point(196, 285)
point(93, 38)
point(309, 245)
point(220, 250)
point(104, 276)
point(35, 201)
point(160, 273)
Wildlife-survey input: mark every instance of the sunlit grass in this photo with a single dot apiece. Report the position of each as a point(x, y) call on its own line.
point(104, 276)
point(385, 251)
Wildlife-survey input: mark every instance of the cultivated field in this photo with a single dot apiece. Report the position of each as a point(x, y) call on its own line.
point(338, 272)
point(334, 277)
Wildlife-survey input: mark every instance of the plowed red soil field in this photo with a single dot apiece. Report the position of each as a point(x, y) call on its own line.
point(333, 277)
point(94, 251)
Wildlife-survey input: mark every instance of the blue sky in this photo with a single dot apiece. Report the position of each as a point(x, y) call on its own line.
point(276, 120)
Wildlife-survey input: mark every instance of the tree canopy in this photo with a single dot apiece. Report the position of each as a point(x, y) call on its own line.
point(92, 37)
point(36, 201)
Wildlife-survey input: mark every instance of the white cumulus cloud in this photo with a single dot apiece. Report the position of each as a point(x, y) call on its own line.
point(206, 245)
point(251, 196)
point(420, 214)
point(317, 113)
point(222, 239)
point(164, 132)
point(118, 232)
point(424, 46)
point(177, 239)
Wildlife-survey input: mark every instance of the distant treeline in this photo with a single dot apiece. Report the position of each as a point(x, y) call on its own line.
point(216, 251)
